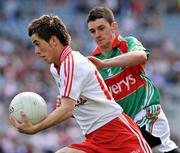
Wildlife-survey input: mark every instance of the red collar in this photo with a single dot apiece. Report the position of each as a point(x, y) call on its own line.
point(117, 42)
point(64, 53)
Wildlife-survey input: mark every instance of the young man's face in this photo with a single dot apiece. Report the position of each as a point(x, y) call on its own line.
point(102, 32)
point(44, 49)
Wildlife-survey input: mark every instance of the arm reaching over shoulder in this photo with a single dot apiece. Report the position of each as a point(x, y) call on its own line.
point(128, 59)
point(57, 116)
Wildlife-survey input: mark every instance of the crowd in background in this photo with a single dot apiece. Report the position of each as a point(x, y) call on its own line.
point(155, 23)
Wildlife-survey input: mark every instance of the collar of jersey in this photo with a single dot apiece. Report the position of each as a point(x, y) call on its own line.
point(116, 42)
point(66, 50)
point(64, 53)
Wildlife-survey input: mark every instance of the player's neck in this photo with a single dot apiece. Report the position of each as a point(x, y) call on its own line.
point(105, 50)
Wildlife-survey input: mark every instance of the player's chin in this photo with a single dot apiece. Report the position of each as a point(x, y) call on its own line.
point(100, 44)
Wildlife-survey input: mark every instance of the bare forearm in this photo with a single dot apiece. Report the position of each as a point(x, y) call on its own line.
point(56, 117)
point(129, 59)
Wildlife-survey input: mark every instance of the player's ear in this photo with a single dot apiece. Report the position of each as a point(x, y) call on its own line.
point(114, 26)
point(53, 41)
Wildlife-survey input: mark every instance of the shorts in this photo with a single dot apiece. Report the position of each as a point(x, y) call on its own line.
point(153, 120)
point(119, 135)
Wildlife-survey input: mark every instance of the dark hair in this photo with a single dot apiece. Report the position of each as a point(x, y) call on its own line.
point(101, 12)
point(47, 26)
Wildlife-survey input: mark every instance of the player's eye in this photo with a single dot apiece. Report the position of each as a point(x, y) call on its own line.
point(101, 28)
point(36, 44)
point(92, 31)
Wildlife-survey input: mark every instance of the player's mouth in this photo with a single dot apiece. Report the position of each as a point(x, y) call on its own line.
point(99, 40)
point(44, 58)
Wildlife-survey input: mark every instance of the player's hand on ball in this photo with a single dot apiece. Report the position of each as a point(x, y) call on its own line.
point(25, 127)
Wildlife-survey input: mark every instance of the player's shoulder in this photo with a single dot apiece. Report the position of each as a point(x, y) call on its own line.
point(78, 57)
point(133, 41)
point(81, 63)
point(131, 38)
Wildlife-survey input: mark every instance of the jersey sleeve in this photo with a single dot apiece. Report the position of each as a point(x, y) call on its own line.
point(135, 44)
point(73, 75)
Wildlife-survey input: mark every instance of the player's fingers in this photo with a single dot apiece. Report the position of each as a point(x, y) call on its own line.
point(13, 121)
point(91, 58)
point(58, 98)
point(95, 61)
point(58, 101)
point(25, 118)
point(57, 105)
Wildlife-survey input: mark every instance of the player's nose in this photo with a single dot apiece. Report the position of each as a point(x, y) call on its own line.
point(37, 51)
point(97, 34)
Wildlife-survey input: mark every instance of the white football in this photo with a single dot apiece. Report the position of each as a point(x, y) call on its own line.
point(32, 104)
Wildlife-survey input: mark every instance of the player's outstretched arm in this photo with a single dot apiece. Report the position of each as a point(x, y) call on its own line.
point(128, 59)
point(57, 116)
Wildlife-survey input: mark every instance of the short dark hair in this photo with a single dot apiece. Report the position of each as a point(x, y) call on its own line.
point(47, 26)
point(101, 12)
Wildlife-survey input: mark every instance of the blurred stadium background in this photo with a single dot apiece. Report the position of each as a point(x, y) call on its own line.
point(155, 23)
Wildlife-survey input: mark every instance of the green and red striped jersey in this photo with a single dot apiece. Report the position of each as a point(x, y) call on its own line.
point(129, 86)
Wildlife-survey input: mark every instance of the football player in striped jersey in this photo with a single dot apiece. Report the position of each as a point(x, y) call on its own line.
point(83, 95)
point(121, 63)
